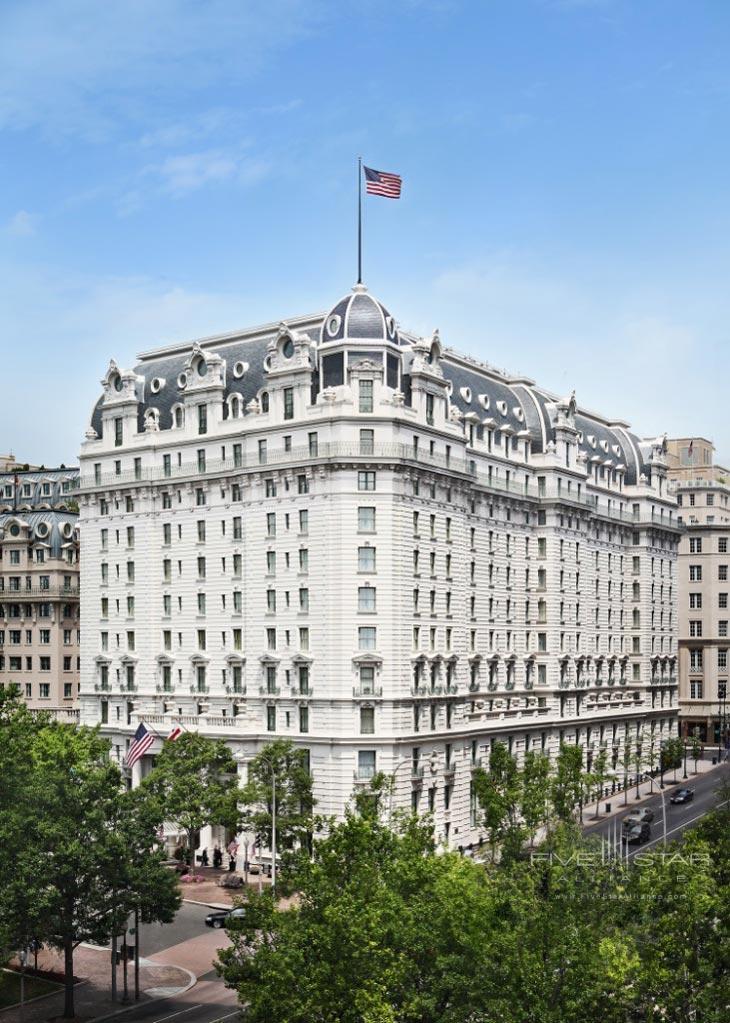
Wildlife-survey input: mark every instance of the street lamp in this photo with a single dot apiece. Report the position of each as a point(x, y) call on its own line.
point(264, 760)
point(405, 763)
point(722, 703)
point(23, 958)
point(684, 775)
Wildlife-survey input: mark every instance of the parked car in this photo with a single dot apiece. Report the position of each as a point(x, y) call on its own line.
point(682, 796)
point(639, 817)
point(637, 834)
point(224, 917)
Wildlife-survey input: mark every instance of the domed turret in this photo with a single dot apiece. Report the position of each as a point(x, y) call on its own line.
point(359, 317)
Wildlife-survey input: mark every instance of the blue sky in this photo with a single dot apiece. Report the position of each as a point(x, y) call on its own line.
point(174, 168)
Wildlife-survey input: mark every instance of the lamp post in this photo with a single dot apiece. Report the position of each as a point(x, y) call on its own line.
point(684, 775)
point(264, 760)
point(722, 702)
point(23, 957)
point(393, 773)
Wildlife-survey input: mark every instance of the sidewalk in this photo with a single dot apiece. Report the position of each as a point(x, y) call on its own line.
point(92, 995)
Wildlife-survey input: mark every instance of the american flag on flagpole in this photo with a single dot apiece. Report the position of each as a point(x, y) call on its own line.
point(382, 183)
point(138, 747)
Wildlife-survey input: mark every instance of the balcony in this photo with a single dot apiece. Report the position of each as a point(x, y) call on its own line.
point(450, 769)
point(198, 689)
point(367, 692)
point(269, 691)
point(302, 694)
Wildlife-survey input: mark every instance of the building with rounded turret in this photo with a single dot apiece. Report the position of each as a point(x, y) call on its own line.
point(333, 530)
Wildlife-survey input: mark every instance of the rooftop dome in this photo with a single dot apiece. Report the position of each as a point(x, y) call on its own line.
point(359, 316)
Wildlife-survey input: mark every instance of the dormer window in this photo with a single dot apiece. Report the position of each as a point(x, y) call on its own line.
point(265, 401)
point(202, 367)
point(287, 349)
point(178, 416)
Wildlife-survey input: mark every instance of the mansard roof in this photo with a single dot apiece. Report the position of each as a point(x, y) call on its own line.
point(490, 398)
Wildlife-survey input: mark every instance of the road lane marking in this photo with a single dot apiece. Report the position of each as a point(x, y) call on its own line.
point(178, 1013)
point(679, 827)
point(221, 1018)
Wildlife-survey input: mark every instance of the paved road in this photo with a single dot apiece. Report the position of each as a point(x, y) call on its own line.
point(188, 923)
point(679, 817)
point(208, 1002)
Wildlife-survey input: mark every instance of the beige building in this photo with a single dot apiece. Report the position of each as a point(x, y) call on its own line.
point(39, 588)
point(703, 496)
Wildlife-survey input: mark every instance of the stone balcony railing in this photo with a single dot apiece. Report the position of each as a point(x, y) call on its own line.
point(329, 451)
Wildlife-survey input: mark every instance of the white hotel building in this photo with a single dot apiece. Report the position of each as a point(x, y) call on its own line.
point(392, 554)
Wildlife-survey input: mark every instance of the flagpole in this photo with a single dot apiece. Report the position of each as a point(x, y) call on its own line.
point(359, 220)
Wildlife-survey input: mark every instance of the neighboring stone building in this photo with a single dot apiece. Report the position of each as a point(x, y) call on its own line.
point(39, 588)
point(335, 531)
point(703, 495)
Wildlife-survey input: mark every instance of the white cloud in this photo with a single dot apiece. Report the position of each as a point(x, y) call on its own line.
point(22, 224)
point(179, 175)
point(80, 67)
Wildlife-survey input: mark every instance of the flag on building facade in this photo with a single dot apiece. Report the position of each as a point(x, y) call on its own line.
point(141, 742)
point(382, 183)
point(175, 732)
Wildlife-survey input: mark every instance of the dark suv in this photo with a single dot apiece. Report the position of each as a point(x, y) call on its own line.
point(637, 834)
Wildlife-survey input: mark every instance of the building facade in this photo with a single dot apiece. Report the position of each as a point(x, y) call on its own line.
point(703, 495)
point(39, 588)
point(392, 554)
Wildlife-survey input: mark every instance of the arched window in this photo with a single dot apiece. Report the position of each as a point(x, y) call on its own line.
point(265, 401)
point(178, 415)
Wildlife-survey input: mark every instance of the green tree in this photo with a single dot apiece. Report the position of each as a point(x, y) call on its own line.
point(498, 792)
point(567, 782)
point(600, 773)
point(535, 793)
point(696, 750)
point(195, 783)
point(86, 852)
point(281, 767)
point(385, 929)
point(671, 755)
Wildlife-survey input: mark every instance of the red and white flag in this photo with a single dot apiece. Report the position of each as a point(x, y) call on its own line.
point(382, 183)
point(175, 732)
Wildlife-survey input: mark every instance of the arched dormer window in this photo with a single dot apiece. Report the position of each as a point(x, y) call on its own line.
point(264, 401)
point(235, 406)
point(178, 416)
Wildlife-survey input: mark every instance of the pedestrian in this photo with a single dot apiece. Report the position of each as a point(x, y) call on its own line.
point(232, 863)
point(217, 857)
point(204, 858)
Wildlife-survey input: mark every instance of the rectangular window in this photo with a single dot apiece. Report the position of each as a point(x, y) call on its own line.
point(118, 432)
point(202, 419)
point(288, 403)
point(366, 764)
point(262, 452)
point(271, 524)
point(304, 521)
point(366, 395)
point(366, 520)
point(366, 636)
point(271, 718)
point(304, 719)
point(366, 598)
point(366, 480)
point(313, 445)
point(367, 721)
point(366, 559)
point(695, 690)
point(304, 599)
point(367, 442)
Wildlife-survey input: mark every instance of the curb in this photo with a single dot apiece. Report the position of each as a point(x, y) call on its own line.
point(211, 905)
point(158, 998)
